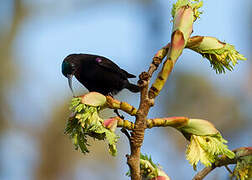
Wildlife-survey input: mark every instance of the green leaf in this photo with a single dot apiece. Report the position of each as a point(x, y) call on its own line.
point(86, 122)
point(243, 168)
point(207, 149)
point(221, 55)
point(196, 153)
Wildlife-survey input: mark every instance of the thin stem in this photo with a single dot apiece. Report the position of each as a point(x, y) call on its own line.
point(203, 173)
point(223, 161)
point(124, 106)
point(175, 122)
point(228, 169)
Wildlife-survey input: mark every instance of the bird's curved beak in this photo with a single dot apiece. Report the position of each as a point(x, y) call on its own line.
point(69, 77)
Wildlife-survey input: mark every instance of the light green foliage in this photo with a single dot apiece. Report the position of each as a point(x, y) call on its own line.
point(221, 58)
point(206, 143)
point(243, 168)
point(86, 122)
point(194, 4)
point(207, 149)
point(149, 170)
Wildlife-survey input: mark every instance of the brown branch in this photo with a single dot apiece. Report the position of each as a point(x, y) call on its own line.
point(157, 59)
point(223, 161)
point(173, 51)
point(200, 175)
point(137, 134)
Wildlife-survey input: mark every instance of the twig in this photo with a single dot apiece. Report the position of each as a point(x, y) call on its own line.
point(157, 59)
point(124, 106)
point(157, 122)
point(203, 173)
point(223, 161)
point(228, 169)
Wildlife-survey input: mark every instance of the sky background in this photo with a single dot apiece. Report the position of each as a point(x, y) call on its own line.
point(129, 33)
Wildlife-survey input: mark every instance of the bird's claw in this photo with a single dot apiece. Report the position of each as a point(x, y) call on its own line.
point(117, 113)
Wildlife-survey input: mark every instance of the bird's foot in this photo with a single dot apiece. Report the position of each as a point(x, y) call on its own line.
point(117, 113)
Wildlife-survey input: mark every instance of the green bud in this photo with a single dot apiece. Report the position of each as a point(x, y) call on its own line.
point(93, 99)
point(194, 4)
point(198, 127)
point(110, 123)
point(220, 55)
point(149, 170)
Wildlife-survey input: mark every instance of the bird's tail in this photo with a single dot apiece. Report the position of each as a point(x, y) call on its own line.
point(133, 88)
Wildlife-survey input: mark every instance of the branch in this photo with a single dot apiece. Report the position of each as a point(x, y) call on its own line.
point(124, 106)
point(223, 161)
point(157, 122)
point(140, 125)
point(158, 58)
point(182, 29)
point(137, 134)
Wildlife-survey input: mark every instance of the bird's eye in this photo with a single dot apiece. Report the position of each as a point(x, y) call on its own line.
point(98, 60)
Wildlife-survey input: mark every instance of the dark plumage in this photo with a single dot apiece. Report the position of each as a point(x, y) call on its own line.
point(97, 73)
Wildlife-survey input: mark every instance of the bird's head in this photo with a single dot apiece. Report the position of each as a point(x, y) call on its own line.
point(67, 70)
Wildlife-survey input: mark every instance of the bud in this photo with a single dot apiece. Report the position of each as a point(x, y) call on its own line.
point(161, 175)
point(206, 143)
point(194, 4)
point(184, 13)
point(220, 55)
point(182, 29)
point(149, 170)
point(198, 127)
point(111, 123)
point(93, 99)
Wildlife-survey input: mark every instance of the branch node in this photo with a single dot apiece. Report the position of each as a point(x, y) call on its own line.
point(144, 76)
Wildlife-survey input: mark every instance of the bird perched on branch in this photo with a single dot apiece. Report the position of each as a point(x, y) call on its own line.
point(97, 74)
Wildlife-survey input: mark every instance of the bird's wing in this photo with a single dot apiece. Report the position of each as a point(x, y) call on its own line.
point(106, 63)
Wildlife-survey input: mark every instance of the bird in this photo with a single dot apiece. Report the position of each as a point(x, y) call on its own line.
point(97, 73)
